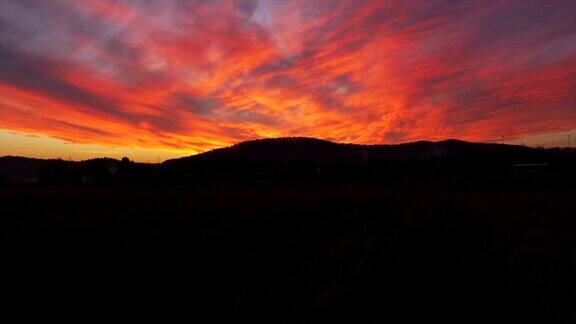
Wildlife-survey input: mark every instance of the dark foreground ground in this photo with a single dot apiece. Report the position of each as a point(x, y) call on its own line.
point(486, 250)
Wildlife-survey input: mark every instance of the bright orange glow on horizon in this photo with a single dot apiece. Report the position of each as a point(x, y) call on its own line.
point(160, 79)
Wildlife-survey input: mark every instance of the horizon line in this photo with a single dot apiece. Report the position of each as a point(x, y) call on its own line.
point(280, 138)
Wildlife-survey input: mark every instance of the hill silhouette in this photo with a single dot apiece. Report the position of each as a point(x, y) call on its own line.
point(320, 151)
point(316, 159)
point(298, 158)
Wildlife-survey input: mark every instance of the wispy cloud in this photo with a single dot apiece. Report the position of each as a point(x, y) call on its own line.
point(193, 75)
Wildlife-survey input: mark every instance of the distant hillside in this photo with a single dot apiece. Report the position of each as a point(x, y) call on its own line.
point(298, 157)
point(320, 151)
point(313, 157)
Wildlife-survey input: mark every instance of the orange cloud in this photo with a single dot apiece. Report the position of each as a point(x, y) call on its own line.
point(191, 76)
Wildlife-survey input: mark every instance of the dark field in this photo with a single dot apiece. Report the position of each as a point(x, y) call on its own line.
point(289, 252)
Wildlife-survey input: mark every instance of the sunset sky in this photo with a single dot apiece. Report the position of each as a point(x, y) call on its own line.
point(159, 79)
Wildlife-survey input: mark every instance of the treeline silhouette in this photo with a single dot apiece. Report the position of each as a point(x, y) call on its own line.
point(300, 159)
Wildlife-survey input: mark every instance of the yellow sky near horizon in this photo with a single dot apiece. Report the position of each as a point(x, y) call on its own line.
point(28, 145)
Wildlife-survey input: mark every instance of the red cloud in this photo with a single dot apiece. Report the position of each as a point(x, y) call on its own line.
point(198, 75)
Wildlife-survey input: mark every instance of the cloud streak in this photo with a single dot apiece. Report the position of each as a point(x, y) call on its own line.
point(194, 75)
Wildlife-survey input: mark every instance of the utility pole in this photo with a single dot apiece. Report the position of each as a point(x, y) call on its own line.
point(502, 140)
point(569, 141)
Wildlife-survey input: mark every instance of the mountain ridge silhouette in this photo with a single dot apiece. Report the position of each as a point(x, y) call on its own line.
point(302, 156)
point(287, 143)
